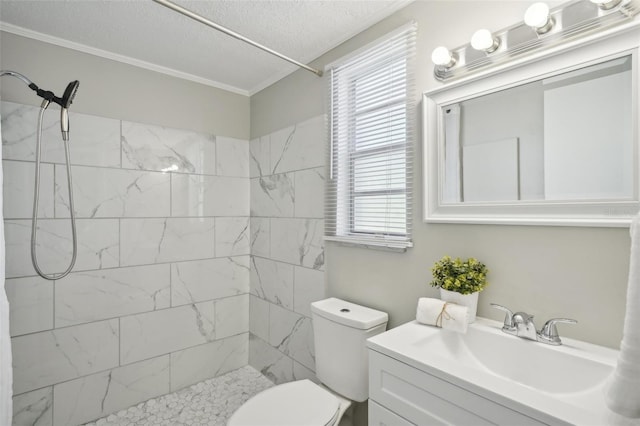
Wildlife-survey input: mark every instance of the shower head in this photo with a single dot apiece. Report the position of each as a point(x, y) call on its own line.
point(69, 94)
point(65, 102)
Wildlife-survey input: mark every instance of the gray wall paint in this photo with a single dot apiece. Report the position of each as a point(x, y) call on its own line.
point(548, 271)
point(116, 90)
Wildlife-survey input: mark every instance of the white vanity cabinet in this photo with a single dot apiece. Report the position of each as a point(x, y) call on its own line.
point(422, 375)
point(400, 394)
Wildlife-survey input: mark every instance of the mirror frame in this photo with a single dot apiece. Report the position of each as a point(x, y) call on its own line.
point(610, 44)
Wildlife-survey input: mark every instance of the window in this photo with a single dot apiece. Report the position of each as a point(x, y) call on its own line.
point(372, 137)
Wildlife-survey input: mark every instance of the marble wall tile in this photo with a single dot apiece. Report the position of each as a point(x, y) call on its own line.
point(201, 280)
point(134, 219)
point(94, 140)
point(90, 397)
point(273, 196)
point(100, 192)
point(30, 304)
point(298, 241)
point(33, 408)
point(232, 316)
point(49, 357)
point(272, 281)
point(259, 317)
point(232, 236)
point(260, 231)
point(299, 147)
point(308, 287)
point(309, 193)
point(260, 157)
point(168, 330)
point(292, 334)
point(232, 157)
point(148, 147)
point(18, 187)
point(209, 360)
point(272, 363)
point(97, 245)
point(196, 195)
point(19, 127)
point(145, 241)
point(94, 295)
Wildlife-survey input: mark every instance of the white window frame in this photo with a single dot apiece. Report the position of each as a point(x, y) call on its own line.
point(341, 220)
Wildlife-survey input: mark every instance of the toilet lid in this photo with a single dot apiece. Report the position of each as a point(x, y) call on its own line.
point(299, 403)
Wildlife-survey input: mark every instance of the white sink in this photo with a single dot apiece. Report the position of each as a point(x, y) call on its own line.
point(547, 368)
point(563, 382)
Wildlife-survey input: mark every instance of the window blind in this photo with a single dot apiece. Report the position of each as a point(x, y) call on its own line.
point(372, 132)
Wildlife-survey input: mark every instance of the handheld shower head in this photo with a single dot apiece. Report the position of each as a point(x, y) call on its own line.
point(69, 94)
point(65, 102)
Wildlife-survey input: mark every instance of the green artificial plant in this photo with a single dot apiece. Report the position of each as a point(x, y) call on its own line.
point(465, 277)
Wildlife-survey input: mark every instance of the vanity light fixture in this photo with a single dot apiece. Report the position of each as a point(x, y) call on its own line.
point(538, 17)
point(551, 27)
point(483, 40)
point(442, 57)
point(606, 4)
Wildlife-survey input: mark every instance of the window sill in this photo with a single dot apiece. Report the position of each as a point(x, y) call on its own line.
point(399, 246)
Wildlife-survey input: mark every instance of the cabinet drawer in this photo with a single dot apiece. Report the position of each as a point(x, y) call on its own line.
point(380, 416)
point(427, 400)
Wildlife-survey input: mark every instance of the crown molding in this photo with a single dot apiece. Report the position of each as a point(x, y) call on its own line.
point(24, 32)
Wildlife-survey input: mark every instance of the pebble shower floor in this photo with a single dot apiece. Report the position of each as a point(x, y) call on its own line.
point(206, 403)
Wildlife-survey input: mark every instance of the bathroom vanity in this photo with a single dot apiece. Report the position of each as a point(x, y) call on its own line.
point(423, 375)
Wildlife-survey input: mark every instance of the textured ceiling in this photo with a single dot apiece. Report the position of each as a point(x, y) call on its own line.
point(145, 33)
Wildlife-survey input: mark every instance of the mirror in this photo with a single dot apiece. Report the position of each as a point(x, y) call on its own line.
point(554, 142)
point(566, 137)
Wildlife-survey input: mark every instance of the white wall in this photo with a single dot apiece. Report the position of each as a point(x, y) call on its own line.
point(548, 271)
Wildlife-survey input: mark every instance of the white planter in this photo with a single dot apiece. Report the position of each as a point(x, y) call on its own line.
point(468, 300)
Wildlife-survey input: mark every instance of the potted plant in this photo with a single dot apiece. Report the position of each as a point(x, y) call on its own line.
point(460, 281)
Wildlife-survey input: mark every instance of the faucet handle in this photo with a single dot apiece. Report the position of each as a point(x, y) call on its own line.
point(549, 332)
point(508, 317)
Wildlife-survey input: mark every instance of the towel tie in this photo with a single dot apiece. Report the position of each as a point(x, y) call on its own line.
point(443, 314)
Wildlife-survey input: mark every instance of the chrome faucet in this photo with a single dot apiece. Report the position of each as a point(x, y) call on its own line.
point(525, 326)
point(521, 324)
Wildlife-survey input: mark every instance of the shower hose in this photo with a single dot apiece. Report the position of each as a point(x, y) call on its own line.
point(36, 196)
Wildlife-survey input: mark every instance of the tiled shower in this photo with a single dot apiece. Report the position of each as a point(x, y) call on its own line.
point(174, 267)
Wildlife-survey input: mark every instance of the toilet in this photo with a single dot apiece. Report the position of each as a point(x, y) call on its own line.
point(341, 330)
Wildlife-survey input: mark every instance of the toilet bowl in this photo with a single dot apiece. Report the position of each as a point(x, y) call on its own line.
point(296, 403)
point(340, 332)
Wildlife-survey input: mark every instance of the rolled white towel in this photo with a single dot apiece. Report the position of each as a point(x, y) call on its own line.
point(622, 390)
point(448, 316)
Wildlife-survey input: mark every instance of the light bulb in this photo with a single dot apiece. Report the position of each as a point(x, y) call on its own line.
point(538, 17)
point(484, 40)
point(606, 4)
point(441, 56)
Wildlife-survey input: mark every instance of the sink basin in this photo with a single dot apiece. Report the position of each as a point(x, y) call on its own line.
point(565, 369)
point(561, 384)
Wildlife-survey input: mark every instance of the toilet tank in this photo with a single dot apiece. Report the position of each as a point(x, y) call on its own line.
point(341, 330)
